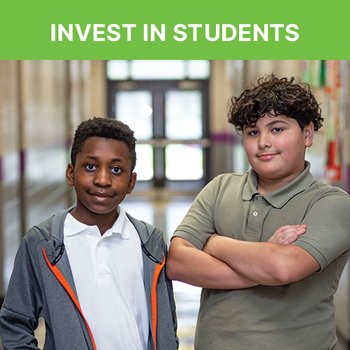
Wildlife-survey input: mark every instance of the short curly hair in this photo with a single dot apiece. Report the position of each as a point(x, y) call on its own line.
point(106, 128)
point(275, 96)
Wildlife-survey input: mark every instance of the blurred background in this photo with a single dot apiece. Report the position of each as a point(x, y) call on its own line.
point(178, 112)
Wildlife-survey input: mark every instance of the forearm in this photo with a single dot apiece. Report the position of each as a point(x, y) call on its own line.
point(191, 265)
point(263, 262)
point(245, 257)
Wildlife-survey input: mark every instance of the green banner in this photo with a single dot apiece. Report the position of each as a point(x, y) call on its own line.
point(221, 29)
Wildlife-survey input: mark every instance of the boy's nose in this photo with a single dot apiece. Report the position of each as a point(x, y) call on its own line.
point(102, 178)
point(264, 141)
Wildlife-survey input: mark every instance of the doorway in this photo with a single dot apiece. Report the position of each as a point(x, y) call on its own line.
point(170, 121)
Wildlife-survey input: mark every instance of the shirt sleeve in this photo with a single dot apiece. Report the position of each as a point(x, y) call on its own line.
point(19, 313)
point(328, 233)
point(198, 224)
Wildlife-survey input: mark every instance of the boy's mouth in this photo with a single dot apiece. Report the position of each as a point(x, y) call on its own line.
point(100, 194)
point(266, 156)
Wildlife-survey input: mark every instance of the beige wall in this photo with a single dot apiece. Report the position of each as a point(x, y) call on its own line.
point(9, 159)
point(8, 107)
point(41, 103)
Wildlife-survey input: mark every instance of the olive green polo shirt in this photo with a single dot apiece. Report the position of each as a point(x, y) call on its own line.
point(295, 316)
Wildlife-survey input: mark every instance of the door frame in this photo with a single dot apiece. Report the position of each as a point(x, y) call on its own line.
point(158, 88)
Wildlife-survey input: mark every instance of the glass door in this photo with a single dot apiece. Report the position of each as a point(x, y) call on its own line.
point(183, 131)
point(170, 121)
point(135, 109)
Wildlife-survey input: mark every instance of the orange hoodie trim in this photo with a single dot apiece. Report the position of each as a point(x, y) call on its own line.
point(56, 271)
point(154, 301)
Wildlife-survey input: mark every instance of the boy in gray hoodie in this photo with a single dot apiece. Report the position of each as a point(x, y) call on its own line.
point(92, 272)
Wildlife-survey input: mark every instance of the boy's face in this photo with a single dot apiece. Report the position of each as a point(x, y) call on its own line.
point(275, 148)
point(102, 178)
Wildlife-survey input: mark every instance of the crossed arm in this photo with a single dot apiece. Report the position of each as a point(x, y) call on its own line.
point(227, 263)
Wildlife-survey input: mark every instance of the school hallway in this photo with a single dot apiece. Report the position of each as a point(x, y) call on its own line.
point(178, 110)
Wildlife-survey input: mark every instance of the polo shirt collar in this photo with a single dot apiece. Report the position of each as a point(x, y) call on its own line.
point(74, 226)
point(280, 197)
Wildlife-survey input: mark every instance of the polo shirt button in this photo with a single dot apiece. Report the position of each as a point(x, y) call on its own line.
point(255, 213)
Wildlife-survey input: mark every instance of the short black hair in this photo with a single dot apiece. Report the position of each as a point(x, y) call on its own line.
point(275, 96)
point(106, 128)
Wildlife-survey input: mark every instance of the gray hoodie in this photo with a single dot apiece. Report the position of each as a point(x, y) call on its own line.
point(42, 285)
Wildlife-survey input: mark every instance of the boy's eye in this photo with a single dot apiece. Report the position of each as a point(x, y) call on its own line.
point(90, 167)
point(277, 130)
point(116, 170)
point(252, 132)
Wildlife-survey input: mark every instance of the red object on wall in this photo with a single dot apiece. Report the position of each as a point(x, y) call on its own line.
point(333, 171)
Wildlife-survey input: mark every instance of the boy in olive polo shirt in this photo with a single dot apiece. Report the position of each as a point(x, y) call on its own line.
point(258, 294)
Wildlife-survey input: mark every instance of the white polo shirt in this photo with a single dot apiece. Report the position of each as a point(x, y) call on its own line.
point(108, 275)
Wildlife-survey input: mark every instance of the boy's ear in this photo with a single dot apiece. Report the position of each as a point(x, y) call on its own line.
point(132, 182)
point(70, 174)
point(309, 134)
